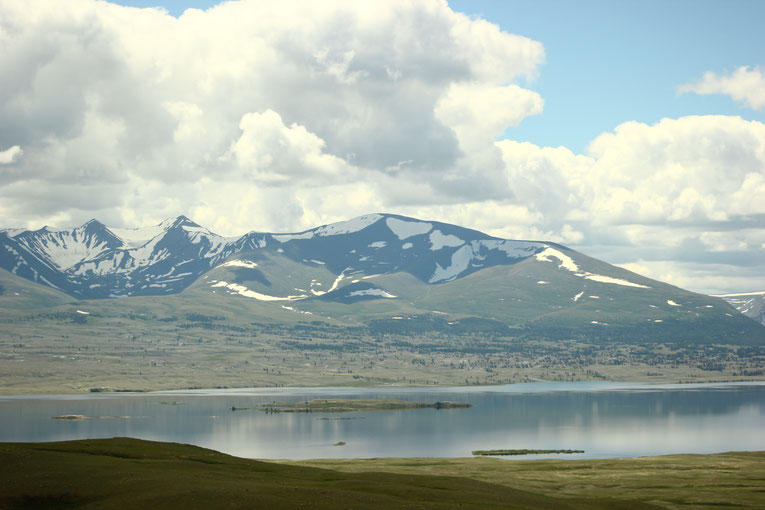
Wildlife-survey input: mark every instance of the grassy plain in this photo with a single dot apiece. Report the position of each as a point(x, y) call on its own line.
point(132, 353)
point(693, 482)
point(67, 352)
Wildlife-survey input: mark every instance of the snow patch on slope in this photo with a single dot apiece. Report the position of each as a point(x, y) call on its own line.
point(334, 284)
point(239, 263)
point(372, 292)
point(460, 261)
point(466, 256)
point(568, 263)
point(338, 280)
point(440, 240)
point(348, 227)
point(283, 238)
point(244, 291)
point(406, 229)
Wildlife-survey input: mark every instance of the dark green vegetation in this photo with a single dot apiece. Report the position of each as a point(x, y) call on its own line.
point(130, 473)
point(206, 339)
point(521, 452)
point(344, 405)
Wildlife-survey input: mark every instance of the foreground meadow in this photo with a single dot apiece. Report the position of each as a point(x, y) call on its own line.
point(123, 472)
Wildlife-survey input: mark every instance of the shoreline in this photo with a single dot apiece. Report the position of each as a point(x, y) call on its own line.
point(343, 390)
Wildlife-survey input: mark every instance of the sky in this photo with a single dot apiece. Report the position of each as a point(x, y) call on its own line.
point(631, 131)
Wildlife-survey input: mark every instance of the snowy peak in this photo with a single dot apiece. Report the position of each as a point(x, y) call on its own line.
point(179, 222)
point(62, 249)
point(137, 237)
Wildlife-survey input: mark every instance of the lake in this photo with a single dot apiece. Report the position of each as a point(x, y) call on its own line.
point(603, 419)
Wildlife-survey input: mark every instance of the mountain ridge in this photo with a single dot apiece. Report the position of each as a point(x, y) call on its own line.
point(389, 272)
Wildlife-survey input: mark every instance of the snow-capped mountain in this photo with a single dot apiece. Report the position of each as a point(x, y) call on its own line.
point(94, 261)
point(391, 272)
point(751, 304)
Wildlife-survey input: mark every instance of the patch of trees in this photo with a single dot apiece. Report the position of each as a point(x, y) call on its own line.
point(139, 316)
point(313, 346)
point(76, 318)
point(213, 327)
point(198, 317)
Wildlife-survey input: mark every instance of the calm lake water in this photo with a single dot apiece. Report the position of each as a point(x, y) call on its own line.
point(604, 419)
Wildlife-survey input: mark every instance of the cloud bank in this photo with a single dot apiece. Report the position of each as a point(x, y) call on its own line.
point(282, 116)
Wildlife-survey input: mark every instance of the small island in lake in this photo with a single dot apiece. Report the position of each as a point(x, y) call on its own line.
point(344, 405)
point(522, 452)
point(78, 417)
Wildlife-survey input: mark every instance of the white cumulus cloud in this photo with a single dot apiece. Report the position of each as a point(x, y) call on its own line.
point(270, 152)
point(745, 85)
point(688, 189)
point(143, 111)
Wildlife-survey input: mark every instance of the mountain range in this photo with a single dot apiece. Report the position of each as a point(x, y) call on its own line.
point(388, 272)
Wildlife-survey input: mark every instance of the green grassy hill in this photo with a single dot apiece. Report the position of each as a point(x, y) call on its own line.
point(19, 294)
point(532, 298)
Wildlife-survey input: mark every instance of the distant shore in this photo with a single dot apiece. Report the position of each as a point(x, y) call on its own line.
point(49, 391)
